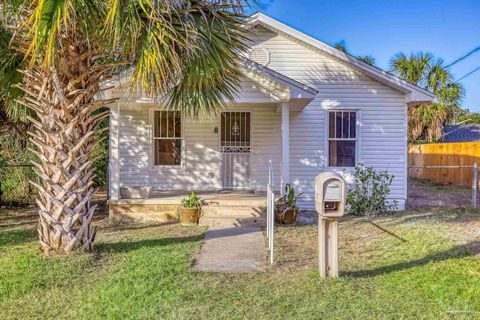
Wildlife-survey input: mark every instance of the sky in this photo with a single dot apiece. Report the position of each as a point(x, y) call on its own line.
point(447, 29)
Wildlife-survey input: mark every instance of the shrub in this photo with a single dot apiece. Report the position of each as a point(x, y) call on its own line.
point(14, 180)
point(368, 195)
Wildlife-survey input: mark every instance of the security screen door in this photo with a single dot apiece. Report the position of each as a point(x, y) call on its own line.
point(235, 143)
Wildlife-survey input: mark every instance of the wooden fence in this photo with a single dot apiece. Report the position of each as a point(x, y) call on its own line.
point(444, 154)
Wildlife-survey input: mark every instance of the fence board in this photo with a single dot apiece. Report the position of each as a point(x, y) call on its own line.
point(444, 154)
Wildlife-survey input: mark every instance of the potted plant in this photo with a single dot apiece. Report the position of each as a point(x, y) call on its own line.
point(190, 209)
point(286, 210)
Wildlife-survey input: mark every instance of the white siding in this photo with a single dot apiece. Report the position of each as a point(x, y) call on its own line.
point(383, 111)
point(382, 134)
point(202, 159)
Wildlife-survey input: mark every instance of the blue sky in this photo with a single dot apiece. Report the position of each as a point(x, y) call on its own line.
point(448, 29)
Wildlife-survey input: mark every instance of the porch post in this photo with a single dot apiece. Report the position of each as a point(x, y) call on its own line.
point(285, 170)
point(114, 174)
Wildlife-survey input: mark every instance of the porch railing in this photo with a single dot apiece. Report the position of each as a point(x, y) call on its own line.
point(270, 211)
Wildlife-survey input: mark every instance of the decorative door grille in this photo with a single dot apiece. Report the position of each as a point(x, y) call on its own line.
point(235, 132)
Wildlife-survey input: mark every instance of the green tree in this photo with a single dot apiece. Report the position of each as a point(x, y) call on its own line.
point(185, 51)
point(12, 115)
point(426, 122)
point(342, 46)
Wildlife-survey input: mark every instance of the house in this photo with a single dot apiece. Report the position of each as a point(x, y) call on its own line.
point(461, 133)
point(303, 105)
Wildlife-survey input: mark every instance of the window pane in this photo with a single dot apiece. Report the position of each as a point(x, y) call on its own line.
point(167, 124)
point(341, 153)
point(338, 124)
point(168, 152)
point(156, 124)
point(178, 124)
point(345, 124)
point(331, 124)
point(171, 124)
point(163, 124)
point(353, 124)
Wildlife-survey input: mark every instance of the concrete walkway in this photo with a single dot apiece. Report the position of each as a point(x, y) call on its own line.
point(237, 249)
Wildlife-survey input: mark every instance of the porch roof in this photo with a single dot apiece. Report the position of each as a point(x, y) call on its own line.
point(284, 88)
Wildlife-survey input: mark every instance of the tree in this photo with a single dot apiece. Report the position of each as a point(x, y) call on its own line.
point(186, 51)
point(426, 121)
point(12, 115)
point(342, 46)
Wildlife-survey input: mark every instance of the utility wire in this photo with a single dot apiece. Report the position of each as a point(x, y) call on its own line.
point(471, 72)
point(463, 57)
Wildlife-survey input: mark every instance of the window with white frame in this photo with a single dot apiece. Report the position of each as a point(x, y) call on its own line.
point(342, 138)
point(167, 138)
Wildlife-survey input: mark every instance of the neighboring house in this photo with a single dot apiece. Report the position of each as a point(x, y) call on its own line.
point(461, 133)
point(303, 105)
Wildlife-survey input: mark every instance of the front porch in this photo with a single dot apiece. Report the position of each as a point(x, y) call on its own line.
point(167, 150)
point(219, 208)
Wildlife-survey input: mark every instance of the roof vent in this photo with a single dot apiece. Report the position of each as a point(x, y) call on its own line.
point(260, 55)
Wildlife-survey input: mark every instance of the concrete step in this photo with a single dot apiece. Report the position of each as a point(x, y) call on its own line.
point(223, 221)
point(247, 202)
point(233, 210)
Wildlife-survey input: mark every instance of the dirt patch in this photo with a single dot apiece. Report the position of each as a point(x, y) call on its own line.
point(28, 215)
point(424, 194)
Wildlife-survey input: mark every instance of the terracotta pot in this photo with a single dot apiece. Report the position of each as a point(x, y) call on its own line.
point(189, 215)
point(287, 217)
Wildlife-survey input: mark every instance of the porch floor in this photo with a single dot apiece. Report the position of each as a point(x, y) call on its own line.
point(221, 197)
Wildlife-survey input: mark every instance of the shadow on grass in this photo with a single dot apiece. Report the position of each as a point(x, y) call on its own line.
point(16, 236)
point(126, 246)
point(129, 227)
point(469, 249)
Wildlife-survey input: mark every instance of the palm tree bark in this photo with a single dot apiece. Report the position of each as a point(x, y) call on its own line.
point(63, 99)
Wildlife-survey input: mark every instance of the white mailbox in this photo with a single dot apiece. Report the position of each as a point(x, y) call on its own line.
point(330, 194)
point(330, 205)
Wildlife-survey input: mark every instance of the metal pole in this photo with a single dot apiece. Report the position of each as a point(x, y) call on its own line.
point(474, 186)
point(272, 226)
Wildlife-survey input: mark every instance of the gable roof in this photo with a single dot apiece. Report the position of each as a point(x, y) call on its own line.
point(281, 78)
point(287, 89)
point(415, 94)
point(461, 133)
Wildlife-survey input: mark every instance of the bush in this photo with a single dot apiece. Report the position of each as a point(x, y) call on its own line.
point(368, 195)
point(14, 180)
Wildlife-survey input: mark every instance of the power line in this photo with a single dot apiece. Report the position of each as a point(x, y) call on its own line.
point(471, 72)
point(463, 57)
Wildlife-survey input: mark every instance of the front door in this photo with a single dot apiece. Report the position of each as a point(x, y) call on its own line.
point(235, 142)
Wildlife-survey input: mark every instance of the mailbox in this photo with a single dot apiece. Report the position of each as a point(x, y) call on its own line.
point(330, 205)
point(330, 195)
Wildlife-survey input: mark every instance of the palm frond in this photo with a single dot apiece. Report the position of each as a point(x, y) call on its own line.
point(185, 51)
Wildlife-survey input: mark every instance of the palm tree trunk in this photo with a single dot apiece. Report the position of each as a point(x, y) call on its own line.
point(62, 97)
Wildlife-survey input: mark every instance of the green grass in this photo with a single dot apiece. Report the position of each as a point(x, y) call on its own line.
point(403, 266)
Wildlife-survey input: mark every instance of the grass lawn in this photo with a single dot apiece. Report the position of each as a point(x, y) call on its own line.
point(419, 265)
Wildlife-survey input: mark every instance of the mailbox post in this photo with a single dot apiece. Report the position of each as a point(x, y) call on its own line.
point(330, 206)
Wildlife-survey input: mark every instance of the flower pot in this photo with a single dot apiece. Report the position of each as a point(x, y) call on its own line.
point(288, 216)
point(189, 215)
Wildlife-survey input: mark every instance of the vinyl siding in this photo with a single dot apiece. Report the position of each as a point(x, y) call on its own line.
point(382, 133)
point(382, 137)
point(201, 158)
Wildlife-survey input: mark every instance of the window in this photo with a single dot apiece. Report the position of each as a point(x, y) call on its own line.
point(342, 138)
point(167, 138)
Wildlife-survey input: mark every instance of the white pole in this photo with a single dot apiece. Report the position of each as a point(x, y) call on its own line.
point(474, 185)
point(272, 224)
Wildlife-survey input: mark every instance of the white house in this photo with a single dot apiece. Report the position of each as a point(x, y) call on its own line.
point(304, 105)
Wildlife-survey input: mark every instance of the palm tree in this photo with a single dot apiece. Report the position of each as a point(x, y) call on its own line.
point(342, 46)
point(12, 115)
point(426, 121)
point(186, 51)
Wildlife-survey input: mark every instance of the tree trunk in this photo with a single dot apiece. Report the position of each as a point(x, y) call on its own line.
point(65, 124)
